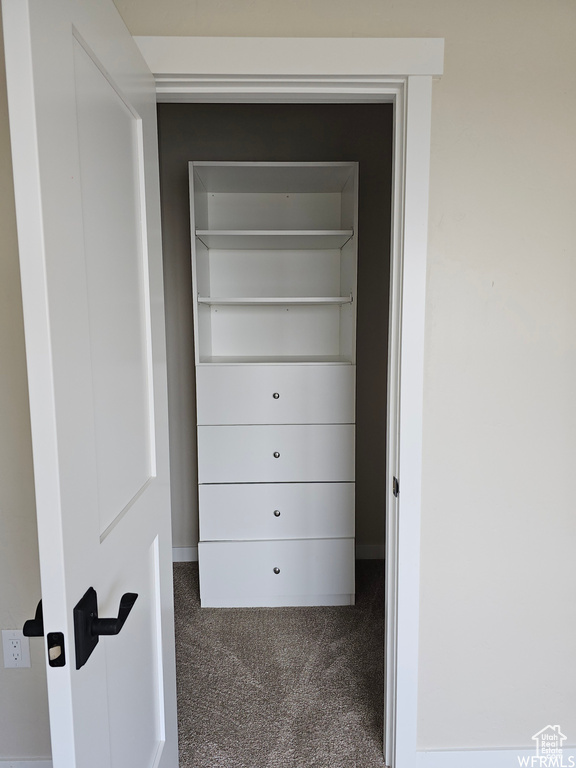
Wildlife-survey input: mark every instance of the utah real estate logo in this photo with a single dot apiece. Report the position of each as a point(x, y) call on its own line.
point(549, 753)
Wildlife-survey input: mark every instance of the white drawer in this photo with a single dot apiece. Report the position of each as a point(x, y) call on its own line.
point(310, 572)
point(276, 511)
point(306, 394)
point(276, 454)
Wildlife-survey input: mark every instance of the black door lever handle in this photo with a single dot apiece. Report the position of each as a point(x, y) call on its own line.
point(35, 627)
point(88, 627)
point(113, 626)
point(54, 640)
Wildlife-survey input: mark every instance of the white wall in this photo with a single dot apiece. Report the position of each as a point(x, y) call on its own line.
point(24, 730)
point(498, 614)
point(498, 609)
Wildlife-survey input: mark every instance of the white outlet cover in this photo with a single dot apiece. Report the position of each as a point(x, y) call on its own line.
point(15, 634)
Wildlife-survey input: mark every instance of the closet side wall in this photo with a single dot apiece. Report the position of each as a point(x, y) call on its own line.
point(265, 132)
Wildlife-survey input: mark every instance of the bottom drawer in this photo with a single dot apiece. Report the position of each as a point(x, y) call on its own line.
point(273, 573)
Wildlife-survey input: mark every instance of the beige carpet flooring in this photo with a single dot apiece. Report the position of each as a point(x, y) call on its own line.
point(280, 687)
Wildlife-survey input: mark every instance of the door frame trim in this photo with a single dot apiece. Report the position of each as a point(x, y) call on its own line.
point(348, 70)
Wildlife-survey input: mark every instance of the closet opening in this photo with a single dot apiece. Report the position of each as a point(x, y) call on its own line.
point(283, 133)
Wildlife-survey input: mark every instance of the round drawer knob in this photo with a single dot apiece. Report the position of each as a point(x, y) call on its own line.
point(276, 513)
point(276, 571)
point(276, 395)
point(276, 455)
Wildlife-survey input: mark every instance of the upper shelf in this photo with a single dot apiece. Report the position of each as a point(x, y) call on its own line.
point(274, 240)
point(266, 177)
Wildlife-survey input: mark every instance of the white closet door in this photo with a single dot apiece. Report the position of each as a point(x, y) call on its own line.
point(83, 126)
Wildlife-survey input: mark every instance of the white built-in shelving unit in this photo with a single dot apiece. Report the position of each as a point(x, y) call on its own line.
point(274, 263)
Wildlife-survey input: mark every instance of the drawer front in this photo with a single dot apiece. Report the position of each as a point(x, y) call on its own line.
point(276, 394)
point(311, 572)
point(276, 511)
point(276, 454)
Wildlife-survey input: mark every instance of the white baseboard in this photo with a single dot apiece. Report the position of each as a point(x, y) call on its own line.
point(184, 554)
point(17, 763)
point(363, 552)
point(370, 551)
point(493, 758)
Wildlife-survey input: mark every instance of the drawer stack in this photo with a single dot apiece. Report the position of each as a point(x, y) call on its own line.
point(276, 499)
point(274, 282)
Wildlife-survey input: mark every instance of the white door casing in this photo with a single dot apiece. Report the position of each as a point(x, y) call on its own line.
point(330, 70)
point(83, 128)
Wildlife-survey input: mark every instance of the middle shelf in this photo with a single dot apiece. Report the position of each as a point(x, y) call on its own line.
point(274, 300)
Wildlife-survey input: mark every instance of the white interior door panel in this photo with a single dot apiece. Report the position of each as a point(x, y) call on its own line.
point(83, 126)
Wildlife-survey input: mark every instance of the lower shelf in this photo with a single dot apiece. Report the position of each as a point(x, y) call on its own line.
point(276, 573)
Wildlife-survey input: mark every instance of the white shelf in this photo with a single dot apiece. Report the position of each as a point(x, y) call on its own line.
point(275, 300)
point(275, 360)
point(265, 239)
point(274, 262)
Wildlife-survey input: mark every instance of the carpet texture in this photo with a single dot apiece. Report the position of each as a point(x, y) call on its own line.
point(280, 687)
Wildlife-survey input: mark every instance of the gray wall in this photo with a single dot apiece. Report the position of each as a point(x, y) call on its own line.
point(283, 133)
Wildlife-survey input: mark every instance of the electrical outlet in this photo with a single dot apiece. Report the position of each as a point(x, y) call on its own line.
point(16, 649)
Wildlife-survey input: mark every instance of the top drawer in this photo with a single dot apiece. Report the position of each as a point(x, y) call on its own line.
point(276, 394)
